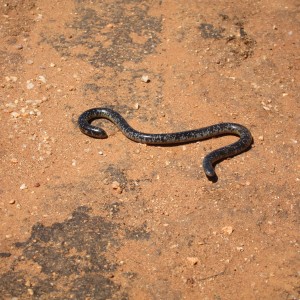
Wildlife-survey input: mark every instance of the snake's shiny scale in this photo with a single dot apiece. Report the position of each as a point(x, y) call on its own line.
point(241, 145)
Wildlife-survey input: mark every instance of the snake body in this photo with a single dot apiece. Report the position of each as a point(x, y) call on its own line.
point(220, 129)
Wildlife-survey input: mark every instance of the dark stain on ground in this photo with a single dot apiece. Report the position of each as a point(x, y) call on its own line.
point(5, 254)
point(234, 43)
point(72, 259)
point(125, 29)
point(116, 174)
point(10, 60)
point(113, 173)
point(113, 208)
point(139, 233)
point(209, 32)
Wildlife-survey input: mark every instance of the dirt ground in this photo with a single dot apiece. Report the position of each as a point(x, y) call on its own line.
point(83, 218)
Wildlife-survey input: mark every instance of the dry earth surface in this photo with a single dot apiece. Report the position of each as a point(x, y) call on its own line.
point(83, 218)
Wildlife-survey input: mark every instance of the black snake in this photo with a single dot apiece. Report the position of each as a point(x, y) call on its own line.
point(220, 129)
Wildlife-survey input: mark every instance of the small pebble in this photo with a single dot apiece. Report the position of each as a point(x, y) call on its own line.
point(294, 141)
point(29, 62)
point(23, 186)
point(52, 65)
point(227, 230)
point(42, 79)
point(39, 17)
point(28, 283)
point(76, 77)
point(115, 185)
point(11, 78)
point(136, 106)
point(261, 137)
point(19, 47)
point(12, 202)
point(15, 114)
point(145, 78)
point(192, 260)
point(29, 85)
point(14, 160)
point(37, 184)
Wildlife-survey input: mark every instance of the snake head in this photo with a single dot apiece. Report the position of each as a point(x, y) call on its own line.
point(94, 131)
point(208, 167)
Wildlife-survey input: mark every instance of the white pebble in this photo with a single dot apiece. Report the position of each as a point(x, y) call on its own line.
point(23, 186)
point(42, 79)
point(14, 114)
point(11, 78)
point(29, 85)
point(14, 160)
point(227, 230)
point(115, 185)
point(39, 17)
point(145, 78)
point(192, 260)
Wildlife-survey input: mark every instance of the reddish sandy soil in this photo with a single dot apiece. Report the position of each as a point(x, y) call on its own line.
point(83, 218)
